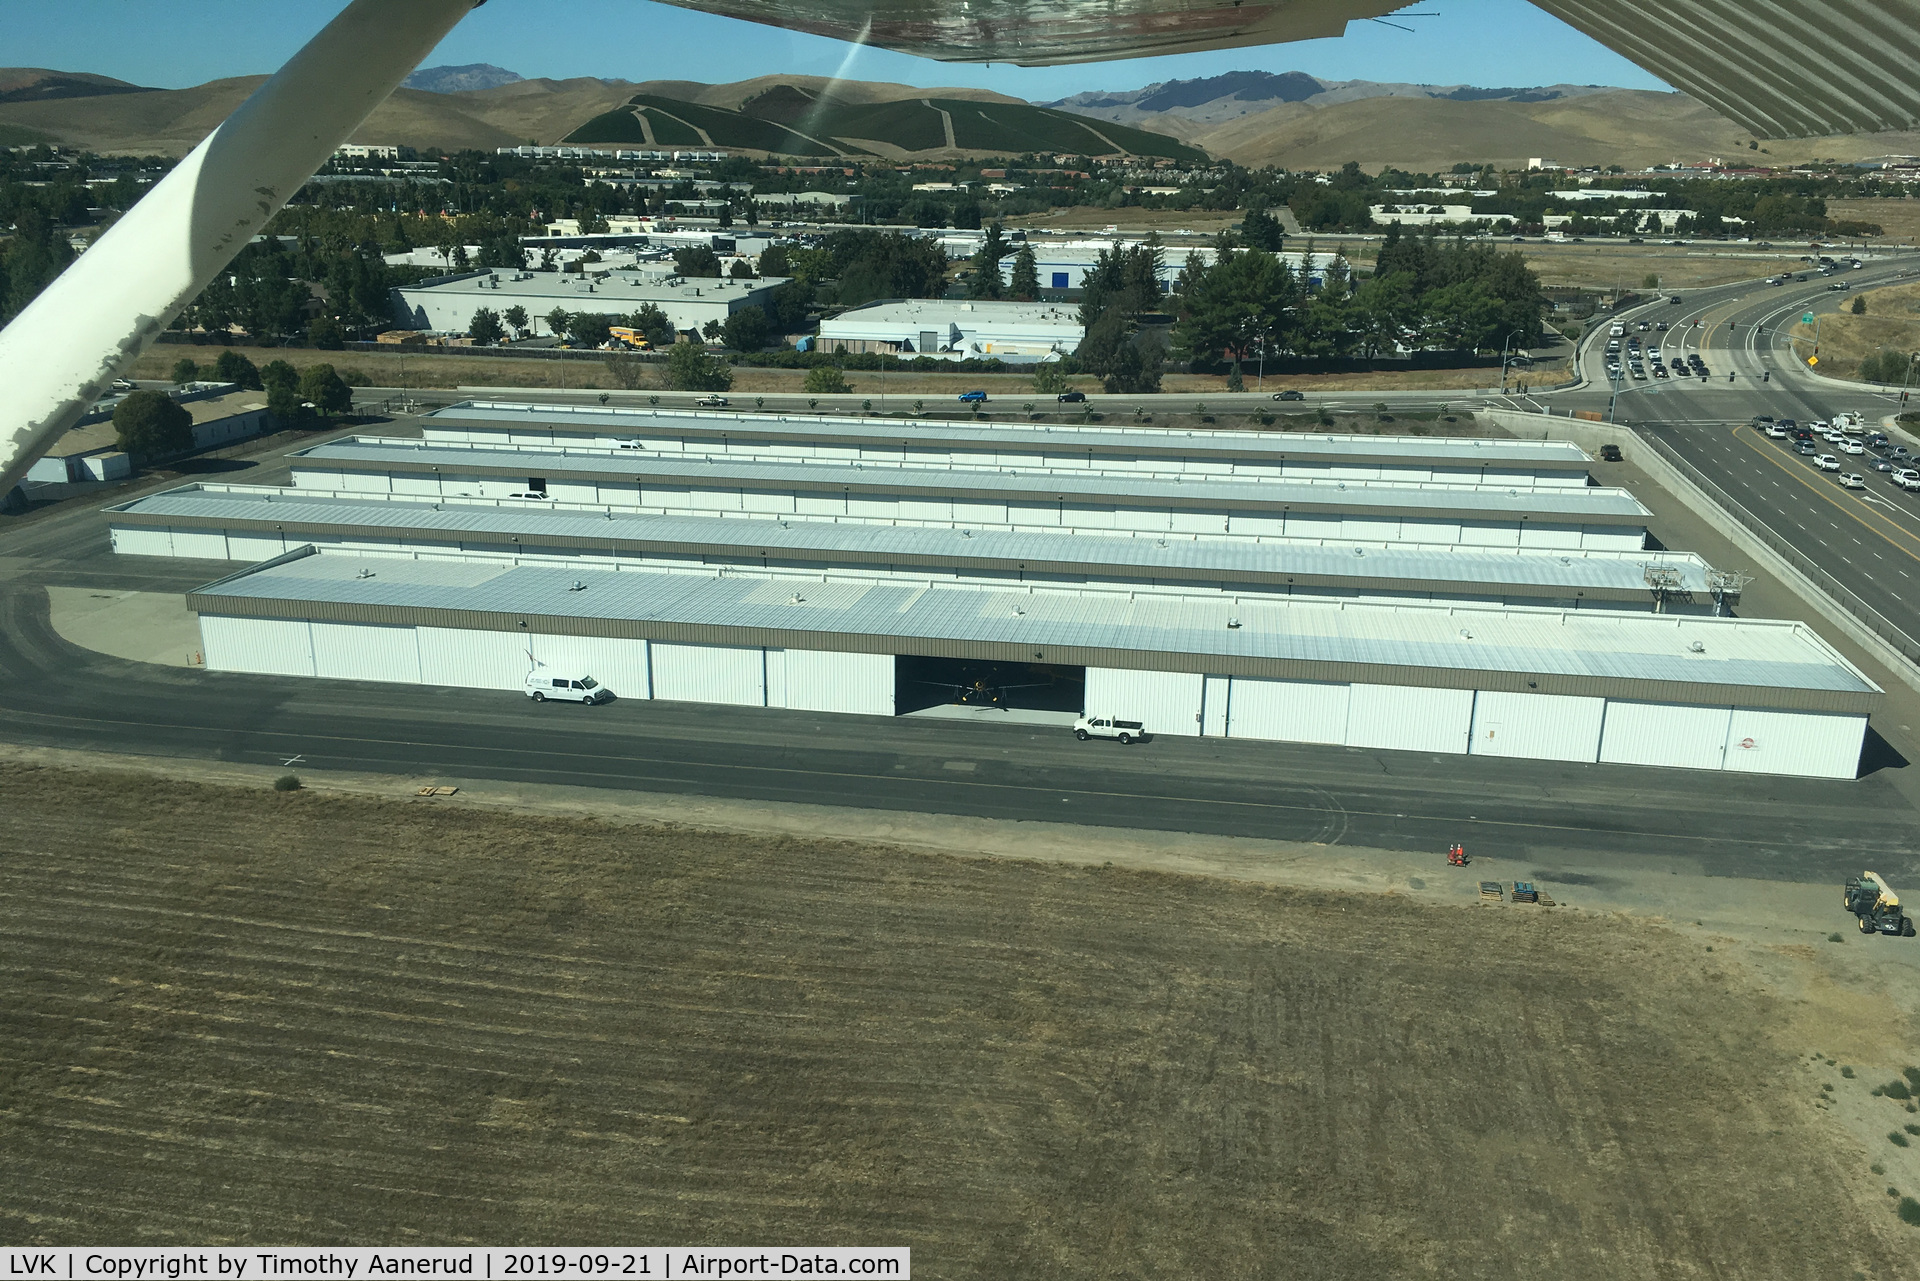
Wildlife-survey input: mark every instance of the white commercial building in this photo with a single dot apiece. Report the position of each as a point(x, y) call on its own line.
point(1021, 333)
point(447, 304)
point(1064, 264)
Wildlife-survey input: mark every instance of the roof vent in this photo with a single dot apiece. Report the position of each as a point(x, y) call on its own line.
point(796, 599)
point(1359, 551)
point(1465, 634)
point(1696, 647)
point(1233, 623)
point(365, 573)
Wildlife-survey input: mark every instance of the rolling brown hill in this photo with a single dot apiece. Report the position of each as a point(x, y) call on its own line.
point(1633, 128)
point(173, 121)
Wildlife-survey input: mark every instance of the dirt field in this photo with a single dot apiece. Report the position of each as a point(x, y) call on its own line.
point(1900, 219)
point(235, 1015)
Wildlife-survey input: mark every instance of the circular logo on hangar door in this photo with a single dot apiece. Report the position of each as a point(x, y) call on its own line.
point(1747, 745)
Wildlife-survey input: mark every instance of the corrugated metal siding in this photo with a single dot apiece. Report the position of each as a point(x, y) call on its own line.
point(1290, 711)
point(709, 674)
point(473, 660)
point(618, 663)
point(267, 646)
point(1165, 702)
point(1664, 734)
point(1541, 727)
point(1217, 706)
point(252, 547)
point(1822, 745)
point(206, 544)
point(1409, 720)
point(819, 681)
point(129, 540)
point(366, 652)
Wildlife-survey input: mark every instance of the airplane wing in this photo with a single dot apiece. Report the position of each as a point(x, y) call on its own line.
point(1777, 69)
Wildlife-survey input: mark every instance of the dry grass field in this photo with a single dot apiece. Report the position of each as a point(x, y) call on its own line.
point(422, 372)
point(240, 1016)
point(1891, 321)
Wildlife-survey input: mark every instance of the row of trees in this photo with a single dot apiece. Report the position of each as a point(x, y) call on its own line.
point(1424, 295)
point(151, 424)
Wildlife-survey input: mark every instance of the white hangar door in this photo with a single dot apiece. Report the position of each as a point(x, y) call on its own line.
point(1811, 744)
point(1409, 720)
point(710, 674)
point(1289, 711)
point(366, 652)
point(1164, 702)
point(1540, 727)
point(267, 646)
point(811, 680)
point(1664, 734)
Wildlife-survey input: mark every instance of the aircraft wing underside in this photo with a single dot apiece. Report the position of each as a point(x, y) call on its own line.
point(1776, 69)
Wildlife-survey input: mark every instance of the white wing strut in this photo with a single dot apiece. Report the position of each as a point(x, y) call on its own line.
point(90, 324)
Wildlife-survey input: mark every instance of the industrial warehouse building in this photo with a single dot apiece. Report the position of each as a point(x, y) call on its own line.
point(1435, 595)
point(445, 304)
point(1020, 333)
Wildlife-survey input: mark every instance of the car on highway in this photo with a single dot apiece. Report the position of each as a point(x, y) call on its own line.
point(1840, 284)
point(973, 398)
point(1908, 479)
point(1609, 453)
point(1079, 397)
point(713, 402)
point(1898, 451)
point(1660, 371)
point(1776, 431)
point(1827, 462)
point(1803, 447)
point(1851, 480)
point(1879, 464)
point(1662, 326)
point(1639, 371)
point(1674, 299)
point(1850, 446)
point(1289, 395)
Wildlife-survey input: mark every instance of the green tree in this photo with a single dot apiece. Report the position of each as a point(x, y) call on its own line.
point(1049, 379)
point(232, 367)
point(284, 403)
point(1025, 284)
point(589, 329)
point(485, 327)
point(691, 368)
point(1650, 281)
point(1261, 230)
point(985, 281)
point(325, 333)
point(278, 373)
point(516, 318)
point(652, 322)
point(745, 329)
point(696, 261)
point(740, 270)
point(325, 390)
point(773, 261)
point(185, 371)
point(1859, 304)
point(556, 321)
point(149, 424)
point(711, 331)
point(826, 380)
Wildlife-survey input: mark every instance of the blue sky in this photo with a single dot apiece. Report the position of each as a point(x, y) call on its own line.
point(175, 43)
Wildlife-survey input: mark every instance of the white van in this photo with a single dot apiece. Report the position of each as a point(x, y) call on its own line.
point(543, 685)
point(1618, 331)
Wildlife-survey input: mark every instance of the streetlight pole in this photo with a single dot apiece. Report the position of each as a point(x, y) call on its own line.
point(1503, 359)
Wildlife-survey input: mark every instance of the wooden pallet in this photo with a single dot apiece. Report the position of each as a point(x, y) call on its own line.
point(1492, 890)
point(436, 791)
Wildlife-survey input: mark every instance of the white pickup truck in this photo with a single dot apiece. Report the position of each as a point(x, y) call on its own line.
point(1086, 727)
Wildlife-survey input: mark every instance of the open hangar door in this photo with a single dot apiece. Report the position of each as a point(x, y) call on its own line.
point(921, 683)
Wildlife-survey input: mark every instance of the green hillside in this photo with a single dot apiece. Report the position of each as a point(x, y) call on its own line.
point(790, 121)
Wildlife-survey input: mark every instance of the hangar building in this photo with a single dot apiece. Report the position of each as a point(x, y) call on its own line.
point(1422, 594)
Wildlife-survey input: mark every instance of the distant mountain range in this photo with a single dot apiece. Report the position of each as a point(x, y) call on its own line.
point(1254, 118)
point(1237, 93)
point(462, 79)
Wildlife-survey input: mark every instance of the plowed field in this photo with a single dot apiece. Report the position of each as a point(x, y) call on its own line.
point(235, 1015)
